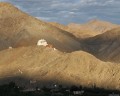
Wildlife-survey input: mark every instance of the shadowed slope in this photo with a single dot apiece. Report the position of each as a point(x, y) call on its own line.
point(45, 64)
point(105, 46)
point(19, 29)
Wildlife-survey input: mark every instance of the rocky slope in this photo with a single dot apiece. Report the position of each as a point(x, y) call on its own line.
point(19, 29)
point(99, 26)
point(45, 64)
point(89, 29)
point(104, 46)
point(28, 63)
point(76, 29)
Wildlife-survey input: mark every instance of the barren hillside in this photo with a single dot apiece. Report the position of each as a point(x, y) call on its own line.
point(78, 31)
point(19, 29)
point(29, 64)
point(89, 29)
point(100, 26)
point(45, 64)
point(105, 46)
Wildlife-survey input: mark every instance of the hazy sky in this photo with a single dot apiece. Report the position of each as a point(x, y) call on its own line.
point(66, 11)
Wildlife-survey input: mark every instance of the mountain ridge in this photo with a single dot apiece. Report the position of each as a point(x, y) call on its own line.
point(21, 57)
point(14, 23)
point(89, 29)
point(77, 67)
point(104, 46)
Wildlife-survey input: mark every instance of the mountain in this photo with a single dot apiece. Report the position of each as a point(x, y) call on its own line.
point(47, 66)
point(96, 26)
point(76, 29)
point(26, 63)
point(19, 29)
point(89, 29)
point(100, 26)
point(104, 46)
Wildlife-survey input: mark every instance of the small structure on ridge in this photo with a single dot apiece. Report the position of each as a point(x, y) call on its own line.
point(42, 42)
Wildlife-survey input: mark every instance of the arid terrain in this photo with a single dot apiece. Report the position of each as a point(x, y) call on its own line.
point(89, 29)
point(19, 29)
point(81, 54)
point(104, 46)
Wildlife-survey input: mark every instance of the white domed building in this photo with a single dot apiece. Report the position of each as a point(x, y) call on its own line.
point(42, 42)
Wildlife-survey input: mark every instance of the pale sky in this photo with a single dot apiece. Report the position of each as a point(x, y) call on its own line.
point(67, 11)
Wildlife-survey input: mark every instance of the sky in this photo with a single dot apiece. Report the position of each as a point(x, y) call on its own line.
point(71, 11)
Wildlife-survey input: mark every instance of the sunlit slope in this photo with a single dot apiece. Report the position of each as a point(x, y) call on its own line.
point(19, 29)
point(100, 26)
point(45, 64)
point(76, 29)
point(89, 29)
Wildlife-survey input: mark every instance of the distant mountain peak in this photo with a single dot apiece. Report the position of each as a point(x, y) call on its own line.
point(94, 21)
point(97, 21)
